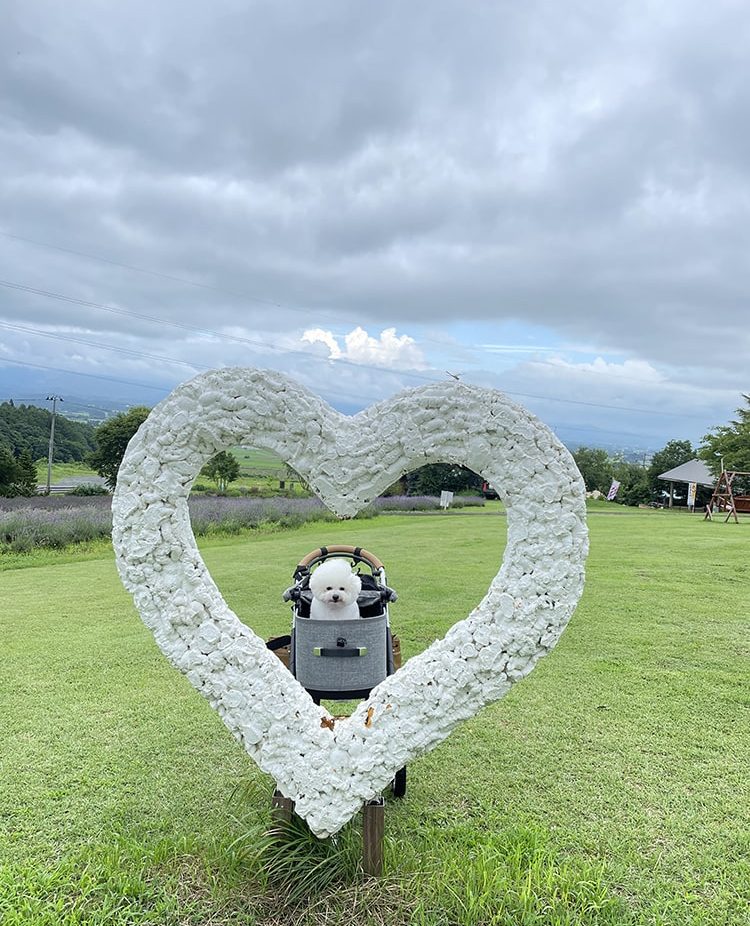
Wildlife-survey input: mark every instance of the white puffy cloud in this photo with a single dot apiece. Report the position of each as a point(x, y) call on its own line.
point(389, 350)
point(319, 336)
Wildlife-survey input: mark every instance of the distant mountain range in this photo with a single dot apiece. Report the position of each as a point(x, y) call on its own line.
point(83, 403)
point(82, 395)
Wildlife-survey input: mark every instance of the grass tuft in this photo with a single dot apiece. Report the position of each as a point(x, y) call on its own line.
point(514, 877)
point(285, 857)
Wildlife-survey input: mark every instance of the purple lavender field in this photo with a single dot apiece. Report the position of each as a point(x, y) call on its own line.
point(55, 522)
point(406, 503)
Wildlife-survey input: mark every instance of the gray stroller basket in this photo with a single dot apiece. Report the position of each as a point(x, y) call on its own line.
point(341, 659)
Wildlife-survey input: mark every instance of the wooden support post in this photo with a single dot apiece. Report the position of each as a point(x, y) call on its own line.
point(723, 498)
point(373, 827)
point(281, 810)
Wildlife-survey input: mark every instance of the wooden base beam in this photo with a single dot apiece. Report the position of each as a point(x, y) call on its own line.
point(373, 828)
point(282, 809)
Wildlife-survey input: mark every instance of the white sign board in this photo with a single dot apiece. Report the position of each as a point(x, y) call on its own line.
point(445, 499)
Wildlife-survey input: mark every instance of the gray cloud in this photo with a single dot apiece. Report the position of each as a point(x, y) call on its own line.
point(580, 168)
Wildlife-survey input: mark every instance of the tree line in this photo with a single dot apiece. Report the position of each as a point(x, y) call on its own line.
point(729, 443)
point(24, 436)
point(26, 427)
point(638, 484)
point(113, 435)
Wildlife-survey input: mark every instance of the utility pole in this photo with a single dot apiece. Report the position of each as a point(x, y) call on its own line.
point(54, 399)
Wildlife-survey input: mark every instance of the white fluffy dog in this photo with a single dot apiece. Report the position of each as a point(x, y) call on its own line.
point(335, 589)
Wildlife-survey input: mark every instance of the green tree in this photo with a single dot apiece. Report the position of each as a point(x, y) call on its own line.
point(8, 472)
point(25, 483)
point(673, 454)
point(730, 441)
point(17, 473)
point(112, 438)
point(596, 468)
point(222, 469)
point(27, 426)
point(634, 485)
point(433, 478)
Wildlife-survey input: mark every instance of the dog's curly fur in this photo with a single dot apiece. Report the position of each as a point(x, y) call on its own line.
point(335, 589)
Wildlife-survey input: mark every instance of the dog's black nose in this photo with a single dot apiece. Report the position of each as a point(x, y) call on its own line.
point(335, 597)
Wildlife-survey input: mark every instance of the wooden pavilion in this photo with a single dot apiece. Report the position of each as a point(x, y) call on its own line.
point(693, 471)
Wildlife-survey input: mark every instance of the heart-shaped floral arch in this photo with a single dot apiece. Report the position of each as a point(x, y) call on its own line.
point(348, 461)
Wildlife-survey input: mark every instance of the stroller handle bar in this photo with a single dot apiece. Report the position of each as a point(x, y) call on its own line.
point(357, 552)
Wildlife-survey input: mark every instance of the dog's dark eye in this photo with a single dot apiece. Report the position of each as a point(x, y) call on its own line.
point(330, 588)
point(341, 589)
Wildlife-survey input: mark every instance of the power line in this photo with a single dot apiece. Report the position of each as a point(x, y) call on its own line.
point(329, 316)
point(70, 403)
point(58, 336)
point(128, 313)
point(619, 408)
point(553, 426)
point(165, 390)
point(570, 368)
point(254, 342)
point(153, 273)
point(241, 294)
point(266, 346)
point(109, 379)
point(571, 428)
point(207, 286)
point(178, 279)
point(348, 395)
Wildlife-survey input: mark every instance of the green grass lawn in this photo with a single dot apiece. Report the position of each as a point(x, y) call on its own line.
point(259, 468)
point(62, 472)
point(259, 461)
point(610, 787)
point(261, 471)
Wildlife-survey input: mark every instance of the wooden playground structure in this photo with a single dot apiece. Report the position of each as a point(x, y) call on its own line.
point(724, 499)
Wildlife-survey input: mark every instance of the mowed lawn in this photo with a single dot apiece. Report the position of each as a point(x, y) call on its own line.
point(611, 786)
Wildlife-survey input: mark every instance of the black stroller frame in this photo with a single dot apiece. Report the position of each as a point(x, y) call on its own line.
point(368, 640)
point(324, 654)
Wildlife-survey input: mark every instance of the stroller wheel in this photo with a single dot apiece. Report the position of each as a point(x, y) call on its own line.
point(398, 785)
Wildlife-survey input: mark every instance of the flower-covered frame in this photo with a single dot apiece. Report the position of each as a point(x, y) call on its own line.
point(330, 770)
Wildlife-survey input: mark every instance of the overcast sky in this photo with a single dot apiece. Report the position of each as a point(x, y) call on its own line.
point(548, 198)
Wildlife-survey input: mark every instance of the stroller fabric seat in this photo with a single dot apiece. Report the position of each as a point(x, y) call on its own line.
point(340, 655)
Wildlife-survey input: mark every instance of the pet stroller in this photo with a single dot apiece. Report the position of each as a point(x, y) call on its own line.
point(342, 660)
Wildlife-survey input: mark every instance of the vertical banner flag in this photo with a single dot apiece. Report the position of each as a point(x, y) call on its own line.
point(613, 490)
point(691, 494)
